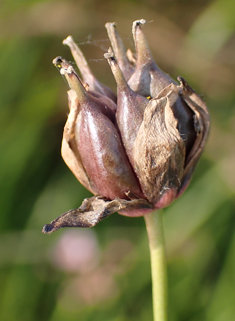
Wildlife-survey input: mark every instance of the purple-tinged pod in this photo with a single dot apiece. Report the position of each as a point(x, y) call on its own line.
point(119, 50)
point(106, 102)
point(103, 155)
point(130, 107)
point(99, 144)
point(87, 76)
point(148, 79)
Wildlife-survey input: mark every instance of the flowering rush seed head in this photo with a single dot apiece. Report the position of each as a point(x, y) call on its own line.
point(136, 151)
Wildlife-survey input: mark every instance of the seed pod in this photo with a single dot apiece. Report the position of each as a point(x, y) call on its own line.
point(130, 108)
point(140, 154)
point(98, 143)
point(147, 79)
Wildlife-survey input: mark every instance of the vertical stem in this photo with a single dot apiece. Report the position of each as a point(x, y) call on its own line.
point(154, 227)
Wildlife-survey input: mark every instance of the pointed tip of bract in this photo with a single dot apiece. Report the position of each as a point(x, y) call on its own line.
point(137, 23)
point(63, 66)
point(68, 41)
point(110, 54)
point(141, 44)
point(110, 24)
point(47, 229)
point(110, 57)
point(57, 61)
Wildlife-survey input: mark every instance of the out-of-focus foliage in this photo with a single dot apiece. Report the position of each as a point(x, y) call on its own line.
point(104, 273)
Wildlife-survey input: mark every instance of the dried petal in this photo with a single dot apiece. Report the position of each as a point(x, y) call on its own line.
point(185, 123)
point(159, 151)
point(201, 128)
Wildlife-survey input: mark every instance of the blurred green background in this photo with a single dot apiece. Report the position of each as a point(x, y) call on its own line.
point(104, 273)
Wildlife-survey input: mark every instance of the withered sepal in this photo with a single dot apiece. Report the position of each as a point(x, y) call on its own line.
point(93, 210)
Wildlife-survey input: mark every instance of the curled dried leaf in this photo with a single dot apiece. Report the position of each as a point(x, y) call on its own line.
point(93, 210)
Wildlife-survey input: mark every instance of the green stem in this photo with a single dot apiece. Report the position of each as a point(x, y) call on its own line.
point(154, 227)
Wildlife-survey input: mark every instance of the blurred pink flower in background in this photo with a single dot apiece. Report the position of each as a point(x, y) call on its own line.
point(76, 251)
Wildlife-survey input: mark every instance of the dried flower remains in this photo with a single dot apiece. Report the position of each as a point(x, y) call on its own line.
point(135, 151)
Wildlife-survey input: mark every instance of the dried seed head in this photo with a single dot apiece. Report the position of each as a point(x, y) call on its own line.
point(139, 154)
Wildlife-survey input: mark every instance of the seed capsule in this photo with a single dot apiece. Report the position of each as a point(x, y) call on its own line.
point(137, 155)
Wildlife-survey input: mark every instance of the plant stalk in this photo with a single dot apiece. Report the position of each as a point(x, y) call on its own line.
point(154, 227)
